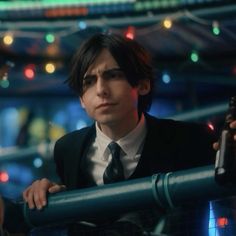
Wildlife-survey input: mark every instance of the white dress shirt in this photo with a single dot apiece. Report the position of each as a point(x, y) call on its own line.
point(131, 147)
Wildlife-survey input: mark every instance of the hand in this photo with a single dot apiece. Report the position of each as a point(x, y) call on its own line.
point(216, 145)
point(36, 194)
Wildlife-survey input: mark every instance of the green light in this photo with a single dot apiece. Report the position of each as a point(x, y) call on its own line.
point(194, 57)
point(4, 83)
point(215, 28)
point(50, 38)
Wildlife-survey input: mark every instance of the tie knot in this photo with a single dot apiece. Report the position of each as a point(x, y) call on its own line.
point(114, 171)
point(114, 149)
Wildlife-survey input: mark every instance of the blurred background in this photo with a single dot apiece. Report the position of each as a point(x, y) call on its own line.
point(193, 44)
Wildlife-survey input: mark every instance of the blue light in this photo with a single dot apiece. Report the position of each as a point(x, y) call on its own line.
point(166, 78)
point(38, 162)
point(82, 25)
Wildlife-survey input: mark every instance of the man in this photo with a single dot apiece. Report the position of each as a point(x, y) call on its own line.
point(113, 77)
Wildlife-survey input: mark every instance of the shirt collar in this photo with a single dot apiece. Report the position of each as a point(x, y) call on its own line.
point(102, 141)
point(130, 143)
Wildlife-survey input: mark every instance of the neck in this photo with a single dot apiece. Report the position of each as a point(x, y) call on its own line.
point(116, 131)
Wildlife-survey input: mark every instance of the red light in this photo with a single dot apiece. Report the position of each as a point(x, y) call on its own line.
point(130, 32)
point(4, 177)
point(211, 126)
point(222, 222)
point(29, 72)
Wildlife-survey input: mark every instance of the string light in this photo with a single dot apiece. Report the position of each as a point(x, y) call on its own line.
point(210, 126)
point(50, 38)
point(29, 72)
point(4, 82)
point(82, 25)
point(130, 33)
point(4, 177)
point(4, 70)
point(167, 23)
point(50, 68)
point(8, 39)
point(166, 78)
point(194, 56)
point(37, 162)
point(215, 28)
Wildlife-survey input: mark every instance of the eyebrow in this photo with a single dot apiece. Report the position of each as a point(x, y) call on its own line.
point(105, 71)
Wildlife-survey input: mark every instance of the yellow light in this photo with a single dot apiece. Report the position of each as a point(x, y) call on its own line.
point(167, 23)
point(50, 68)
point(8, 39)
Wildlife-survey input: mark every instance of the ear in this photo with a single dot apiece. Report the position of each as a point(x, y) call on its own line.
point(144, 87)
point(81, 102)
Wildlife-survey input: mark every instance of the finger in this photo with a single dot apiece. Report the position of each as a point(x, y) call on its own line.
point(233, 124)
point(36, 200)
point(216, 146)
point(56, 188)
point(29, 193)
point(35, 195)
point(40, 194)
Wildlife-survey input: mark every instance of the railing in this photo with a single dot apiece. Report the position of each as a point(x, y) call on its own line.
point(162, 190)
point(17, 153)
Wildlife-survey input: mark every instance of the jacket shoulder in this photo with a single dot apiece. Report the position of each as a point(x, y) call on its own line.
point(75, 136)
point(68, 151)
point(174, 126)
point(73, 141)
point(188, 144)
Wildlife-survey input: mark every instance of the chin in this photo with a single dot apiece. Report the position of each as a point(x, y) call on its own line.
point(106, 120)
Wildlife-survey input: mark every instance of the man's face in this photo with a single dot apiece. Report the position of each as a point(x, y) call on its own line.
point(107, 96)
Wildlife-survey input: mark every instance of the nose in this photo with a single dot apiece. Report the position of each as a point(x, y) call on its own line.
point(102, 87)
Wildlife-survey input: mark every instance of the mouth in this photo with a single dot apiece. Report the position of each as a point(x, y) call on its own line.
point(105, 105)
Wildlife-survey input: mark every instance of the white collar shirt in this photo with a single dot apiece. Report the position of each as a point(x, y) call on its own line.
point(131, 145)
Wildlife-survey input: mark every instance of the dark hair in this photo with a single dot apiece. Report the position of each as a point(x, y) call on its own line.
point(132, 58)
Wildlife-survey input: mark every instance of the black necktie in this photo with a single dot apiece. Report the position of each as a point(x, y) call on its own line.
point(114, 171)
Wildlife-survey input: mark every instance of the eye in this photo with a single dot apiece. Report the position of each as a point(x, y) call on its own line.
point(88, 81)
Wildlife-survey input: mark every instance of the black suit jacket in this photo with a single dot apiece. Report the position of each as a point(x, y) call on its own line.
point(169, 146)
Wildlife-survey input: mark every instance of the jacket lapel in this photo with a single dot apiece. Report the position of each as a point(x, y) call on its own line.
point(82, 141)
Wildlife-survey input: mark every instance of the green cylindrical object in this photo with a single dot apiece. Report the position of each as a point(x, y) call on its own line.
point(190, 185)
point(94, 203)
point(162, 190)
